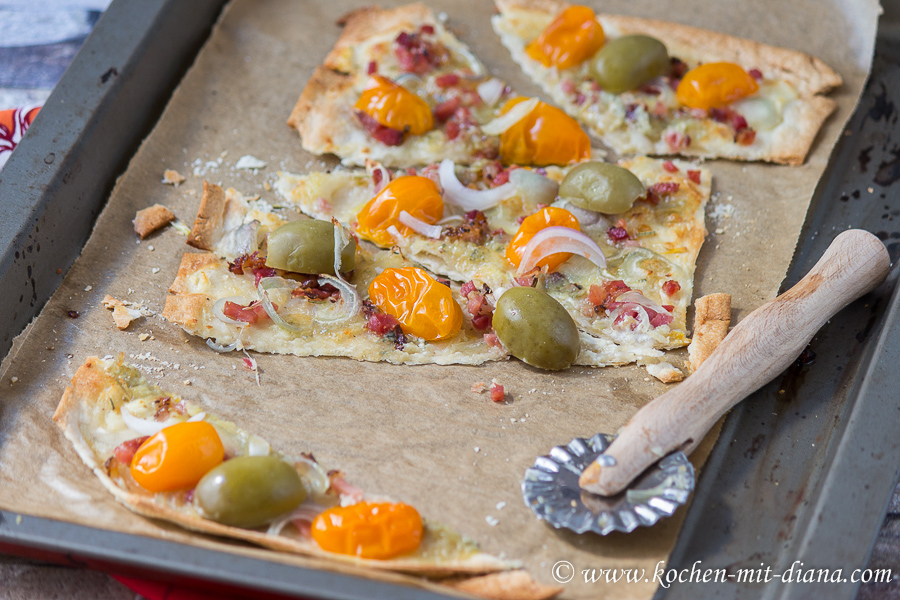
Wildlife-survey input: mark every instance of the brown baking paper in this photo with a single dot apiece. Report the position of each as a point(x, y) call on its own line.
point(417, 434)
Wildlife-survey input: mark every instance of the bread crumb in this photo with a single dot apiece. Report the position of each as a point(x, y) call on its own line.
point(88, 288)
point(125, 312)
point(501, 505)
point(172, 177)
point(492, 521)
point(154, 270)
point(151, 219)
point(267, 186)
point(144, 337)
point(665, 372)
point(187, 382)
point(13, 379)
point(478, 387)
point(248, 161)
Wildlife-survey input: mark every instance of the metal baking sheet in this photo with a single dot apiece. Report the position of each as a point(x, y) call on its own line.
point(800, 474)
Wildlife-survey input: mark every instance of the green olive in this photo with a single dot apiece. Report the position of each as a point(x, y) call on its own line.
point(601, 187)
point(536, 329)
point(250, 491)
point(628, 62)
point(307, 246)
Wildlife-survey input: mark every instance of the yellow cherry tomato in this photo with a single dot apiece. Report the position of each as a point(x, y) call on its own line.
point(572, 38)
point(369, 530)
point(394, 106)
point(546, 217)
point(714, 85)
point(419, 196)
point(424, 307)
point(177, 457)
point(546, 136)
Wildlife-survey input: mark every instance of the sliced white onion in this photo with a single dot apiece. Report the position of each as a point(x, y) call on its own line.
point(553, 240)
point(406, 79)
point(198, 417)
point(491, 90)
point(371, 167)
point(256, 446)
point(142, 426)
point(220, 348)
point(534, 186)
point(341, 239)
point(510, 118)
point(585, 217)
point(269, 283)
point(395, 233)
point(419, 226)
point(218, 310)
point(350, 301)
point(307, 511)
point(314, 477)
point(451, 220)
point(639, 298)
point(468, 199)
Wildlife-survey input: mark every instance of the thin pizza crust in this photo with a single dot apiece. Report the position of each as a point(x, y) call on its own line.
point(712, 316)
point(803, 110)
point(90, 405)
point(324, 115)
point(668, 237)
point(230, 224)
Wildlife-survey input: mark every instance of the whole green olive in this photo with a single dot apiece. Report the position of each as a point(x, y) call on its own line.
point(536, 329)
point(307, 246)
point(601, 187)
point(250, 491)
point(628, 62)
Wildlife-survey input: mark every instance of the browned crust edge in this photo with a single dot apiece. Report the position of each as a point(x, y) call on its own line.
point(712, 317)
point(316, 110)
point(182, 307)
point(152, 218)
point(210, 217)
point(507, 585)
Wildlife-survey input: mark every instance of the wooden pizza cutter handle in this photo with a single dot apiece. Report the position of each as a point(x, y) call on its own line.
point(760, 347)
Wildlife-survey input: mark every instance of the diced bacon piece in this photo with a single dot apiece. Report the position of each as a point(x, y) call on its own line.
point(656, 191)
point(617, 234)
point(124, 452)
point(382, 323)
point(497, 392)
point(385, 135)
point(679, 68)
point(670, 167)
point(745, 137)
point(372, 68)
point(466, 288)
point(694, 176)
point(427, 29)
point(343, 488)
point(669, 307)
point(323, 206)
point(677, 140)
point(492, 340)
point(755, 74)
point(600, 296)
point(446, 109)
point(446, 80)
point(671, 287)
point(452, 129)
point(247, 314)
point(567, 86)
point(482, 322)
point(416, 55)
point(247, 261)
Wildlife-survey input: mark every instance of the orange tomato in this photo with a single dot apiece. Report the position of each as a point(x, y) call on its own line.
point(394, 106)
point(546, 217)
point(546, 136)
point(177, 457)
point(419, 196)
point(714, 85)
point(424, 307)
point(572, 38)
point(369, 530)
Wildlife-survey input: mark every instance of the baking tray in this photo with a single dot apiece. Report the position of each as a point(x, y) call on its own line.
point(803, 474)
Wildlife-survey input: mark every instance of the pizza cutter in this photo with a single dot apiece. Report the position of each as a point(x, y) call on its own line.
point(607, 483)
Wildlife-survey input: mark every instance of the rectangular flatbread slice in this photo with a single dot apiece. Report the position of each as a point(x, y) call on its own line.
point(777, 123)
point(650, 249)
point(108, 412)
point(318, 315)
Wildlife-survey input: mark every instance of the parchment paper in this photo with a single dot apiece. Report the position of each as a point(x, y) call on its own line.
point(414, 433)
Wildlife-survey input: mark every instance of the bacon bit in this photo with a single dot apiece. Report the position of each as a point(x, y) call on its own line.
point(663, 188)
point(497, 393)
point(382, 323)
point(671, 287)
point(416, 55)
point(755, 74)
point(729, 116)
point(677, 140)
point(475, 229)
point(411, 171)
point(660, 110)
point(324, 206)
point(446, 80)
point(501, 178)
point(694, 176)
point(124, 452)
point(670, 167)
point(445, 109)
point(567, 86)
point(630, 310)
point(452, 129)
point(162, 412)
point(427, 29)
point(310, 288)
point(431, 172)
point(482, 322)
point(385, 135)
point(344, 489)
point(650, 89)
point(248, 314)
point(377, 176)
point(602, 295)
point(492, 340)
point(247, 261)
point(467, 288)
point(617, 234)
point(526, 280)
point(73, 314)
point(679, 68)
point(745, 137)
point(580, 98)
point(476, 303)
point(373, 67)
point(669, 307)
point(630, 111)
